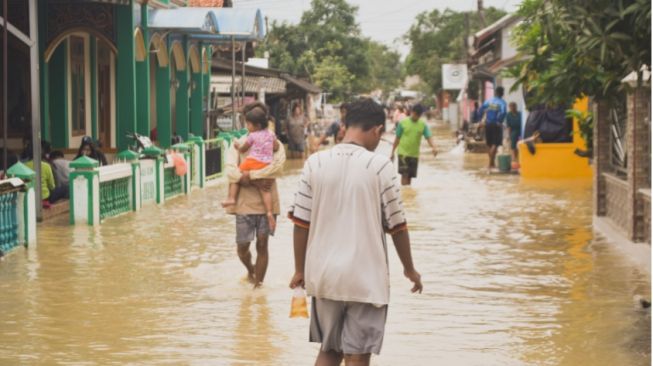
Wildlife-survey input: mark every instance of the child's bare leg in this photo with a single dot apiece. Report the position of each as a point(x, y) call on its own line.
point(267, 201)
point(233, 193)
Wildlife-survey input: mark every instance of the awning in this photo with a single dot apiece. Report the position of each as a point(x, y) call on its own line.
point(238, 24)
point(185, 20)
point(488, 31)
point(253, 84)
point(302, 84)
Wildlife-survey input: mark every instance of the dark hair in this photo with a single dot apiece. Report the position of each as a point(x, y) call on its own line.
point(344, 106)
point(257, 114)
point(56, 154)
point(417, 108)
point(499, 91)
point(365, 114)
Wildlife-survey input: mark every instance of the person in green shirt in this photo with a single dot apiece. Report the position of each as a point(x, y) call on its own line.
point(408, 139)
point(47, 179)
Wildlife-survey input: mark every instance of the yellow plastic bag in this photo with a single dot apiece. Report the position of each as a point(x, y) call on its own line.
point(298, 306)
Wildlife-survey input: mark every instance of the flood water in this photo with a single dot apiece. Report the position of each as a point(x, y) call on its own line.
point(513, 275)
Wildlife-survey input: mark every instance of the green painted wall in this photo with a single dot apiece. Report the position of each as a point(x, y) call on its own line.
point(94, 91)
point(58, 99)
point(206, 86)
point(196, 113)
point(143, 83)
point(126, 75)
point(182, 107)
point(163, 120)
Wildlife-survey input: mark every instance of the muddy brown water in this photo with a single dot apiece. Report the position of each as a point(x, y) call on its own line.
point(513, 275)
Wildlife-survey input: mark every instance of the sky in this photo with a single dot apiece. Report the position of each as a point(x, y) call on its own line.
point(385, 21)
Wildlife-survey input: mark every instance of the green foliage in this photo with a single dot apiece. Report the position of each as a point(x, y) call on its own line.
point(582, 47)
point(327, 47)
point(438, 37)
point(586, 125)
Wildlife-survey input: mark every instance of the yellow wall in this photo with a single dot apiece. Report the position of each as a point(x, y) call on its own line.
point(557, 160)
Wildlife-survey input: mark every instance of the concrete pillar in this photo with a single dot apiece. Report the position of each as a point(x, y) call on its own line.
point(84, 185)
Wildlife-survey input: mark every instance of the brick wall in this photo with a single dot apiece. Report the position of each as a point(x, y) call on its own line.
point(645, 199)
point(618, 206)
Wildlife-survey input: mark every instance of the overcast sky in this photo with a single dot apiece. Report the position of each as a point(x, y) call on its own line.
point(381, 20)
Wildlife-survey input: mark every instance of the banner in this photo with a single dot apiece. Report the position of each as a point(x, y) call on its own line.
point(454, 76)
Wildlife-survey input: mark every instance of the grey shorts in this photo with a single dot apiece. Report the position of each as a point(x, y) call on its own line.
point(249, 227)
point(352, 328)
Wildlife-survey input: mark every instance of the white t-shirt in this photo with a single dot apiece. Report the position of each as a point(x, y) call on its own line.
point(347, 196)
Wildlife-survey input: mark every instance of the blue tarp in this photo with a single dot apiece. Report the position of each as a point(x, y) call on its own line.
point(185, 20)
point(211, 24)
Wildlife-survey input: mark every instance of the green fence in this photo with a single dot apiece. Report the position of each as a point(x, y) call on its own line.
point(173, 184)
point(114, 197)
point(8, 221)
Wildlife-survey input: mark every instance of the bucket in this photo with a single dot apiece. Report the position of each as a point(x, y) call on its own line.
point(503, 161)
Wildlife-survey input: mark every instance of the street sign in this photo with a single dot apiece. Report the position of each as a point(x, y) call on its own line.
point(454, 76)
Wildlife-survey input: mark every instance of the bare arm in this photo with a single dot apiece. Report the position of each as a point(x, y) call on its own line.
point(275, 147)
point(402, 245)
point(242, 148)
point(431, 142)
point(394, 146)
point(300, 240)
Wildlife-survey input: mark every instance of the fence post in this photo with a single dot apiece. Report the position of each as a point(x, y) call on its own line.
point(84, 185)
point(132, 157)
point(156, 154)
point(199, 167)
point(183, 150)
point(26, 204)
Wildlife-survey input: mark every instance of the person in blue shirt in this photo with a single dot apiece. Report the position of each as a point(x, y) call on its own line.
point(494, 110)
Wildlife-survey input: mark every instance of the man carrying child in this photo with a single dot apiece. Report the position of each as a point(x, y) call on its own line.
point(249, 207)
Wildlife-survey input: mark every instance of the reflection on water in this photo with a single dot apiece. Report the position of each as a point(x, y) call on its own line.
point(513, 276)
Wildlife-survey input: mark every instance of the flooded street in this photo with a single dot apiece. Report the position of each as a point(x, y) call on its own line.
point(512, 272)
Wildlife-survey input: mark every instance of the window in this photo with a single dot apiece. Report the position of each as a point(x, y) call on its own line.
point(618, 142)
point(78, 85)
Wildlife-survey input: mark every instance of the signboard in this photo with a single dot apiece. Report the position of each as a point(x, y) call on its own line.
point(454, 76)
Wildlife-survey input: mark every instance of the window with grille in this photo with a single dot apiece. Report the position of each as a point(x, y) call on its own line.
point(618, 142)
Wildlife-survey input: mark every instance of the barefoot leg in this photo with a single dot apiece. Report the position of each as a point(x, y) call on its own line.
point(233, 193)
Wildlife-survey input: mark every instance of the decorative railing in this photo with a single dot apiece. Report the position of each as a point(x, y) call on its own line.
point(8, 220)
point(174, 185)
point(115, 190)
point(17, 208)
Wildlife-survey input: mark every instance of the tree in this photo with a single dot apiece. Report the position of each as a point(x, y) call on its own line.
point(580, 48)
point(438, 37)
point(328, 40)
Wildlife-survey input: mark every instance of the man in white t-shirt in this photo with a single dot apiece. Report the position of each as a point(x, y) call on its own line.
point(348, 198)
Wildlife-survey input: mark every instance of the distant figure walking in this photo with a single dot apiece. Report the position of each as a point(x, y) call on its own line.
point(408, 139)
point(494, 110)
point(513, 120)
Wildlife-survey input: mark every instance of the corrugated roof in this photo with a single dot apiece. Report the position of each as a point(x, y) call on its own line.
point(302, 84)
point(253, 84)
point(488, 31)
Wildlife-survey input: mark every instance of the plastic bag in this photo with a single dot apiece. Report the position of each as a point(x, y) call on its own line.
point(298, 306)
point(181, 167)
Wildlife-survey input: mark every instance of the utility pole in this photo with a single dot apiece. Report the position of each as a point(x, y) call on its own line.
point(481, 15)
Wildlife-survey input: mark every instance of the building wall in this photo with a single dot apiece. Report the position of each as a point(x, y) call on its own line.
point(508, 48)
point(625, 200)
